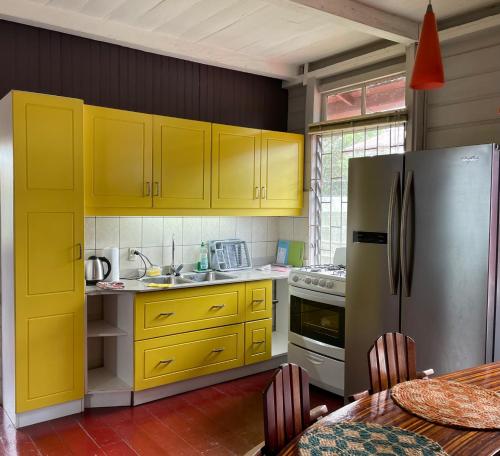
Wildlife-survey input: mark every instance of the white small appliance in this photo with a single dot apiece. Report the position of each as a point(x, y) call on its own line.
point(316, 338)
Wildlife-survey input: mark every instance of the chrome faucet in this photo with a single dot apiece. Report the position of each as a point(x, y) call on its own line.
point(174, 270)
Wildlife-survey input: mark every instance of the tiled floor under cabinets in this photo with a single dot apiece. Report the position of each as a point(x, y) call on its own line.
point(224, 419)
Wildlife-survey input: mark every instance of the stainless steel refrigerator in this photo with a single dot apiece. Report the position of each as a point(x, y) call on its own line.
point(422, 238)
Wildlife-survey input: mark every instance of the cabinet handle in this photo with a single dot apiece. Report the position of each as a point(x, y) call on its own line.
point(258, 342)
point(218, 306)
point(258, 300)
point(79, 257)
point(263, 193)
point(257, 193)
point(166, 314)
point(156, 189)
point(166, 361)
point(218, 350)
point(148, 188)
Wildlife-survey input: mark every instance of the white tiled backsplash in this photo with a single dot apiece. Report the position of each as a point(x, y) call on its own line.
point(153, 235)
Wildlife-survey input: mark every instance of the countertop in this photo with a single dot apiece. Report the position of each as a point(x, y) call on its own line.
point(249, 275)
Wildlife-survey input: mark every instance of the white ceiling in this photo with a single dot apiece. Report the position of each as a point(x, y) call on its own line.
point(415, 9)
point(270, 37)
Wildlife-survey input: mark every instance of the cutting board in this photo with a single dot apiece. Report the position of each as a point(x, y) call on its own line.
point(290, 253)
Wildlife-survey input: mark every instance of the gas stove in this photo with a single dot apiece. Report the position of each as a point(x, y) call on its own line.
point(326, 278)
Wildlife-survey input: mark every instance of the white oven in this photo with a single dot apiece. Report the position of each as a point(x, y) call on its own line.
point(317, 336)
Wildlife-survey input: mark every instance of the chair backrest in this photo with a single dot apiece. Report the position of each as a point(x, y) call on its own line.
point(391, 360)
point(286, 407)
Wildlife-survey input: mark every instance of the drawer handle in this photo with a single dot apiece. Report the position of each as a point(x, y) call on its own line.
point(166, 361)
point(258, 300)
point(218, 350)
point(218, 306)
point(166, 314)
point(258, 342)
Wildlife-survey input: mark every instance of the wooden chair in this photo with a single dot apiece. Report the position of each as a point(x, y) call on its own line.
point(391, 360)
point(286, 409)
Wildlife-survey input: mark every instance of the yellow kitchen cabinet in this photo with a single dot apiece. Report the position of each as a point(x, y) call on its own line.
point(256, 169)
point(259, 300)
point(47, 294)
point(119, 154)
point(169, 359)
point(181, 163)
point(282, 167)
point(258, 340)
point(175, 311)
point(235, 167)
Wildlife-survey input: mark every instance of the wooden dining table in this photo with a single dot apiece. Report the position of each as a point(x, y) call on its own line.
point(380, 408)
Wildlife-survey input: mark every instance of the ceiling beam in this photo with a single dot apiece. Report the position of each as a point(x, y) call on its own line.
point(452, 28)
point(367, 19)
point(349, 64)
point(465, 24)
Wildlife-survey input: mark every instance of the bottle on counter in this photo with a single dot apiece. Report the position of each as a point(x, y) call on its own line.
point(203, 264)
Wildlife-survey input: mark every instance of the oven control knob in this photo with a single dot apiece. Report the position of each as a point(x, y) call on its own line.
point(322, 282)
point(295, 278)
point(329, 284)
point(315, 281)
point(308, 280)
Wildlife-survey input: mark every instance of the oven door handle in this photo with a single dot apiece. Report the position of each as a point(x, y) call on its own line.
point(317, 296)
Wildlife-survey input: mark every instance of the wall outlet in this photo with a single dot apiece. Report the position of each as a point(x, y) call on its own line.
point(131, 254)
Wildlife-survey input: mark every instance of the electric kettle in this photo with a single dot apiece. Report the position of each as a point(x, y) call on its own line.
point(94, 269)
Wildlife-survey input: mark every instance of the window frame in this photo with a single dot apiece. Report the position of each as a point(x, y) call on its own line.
point(323, 126)
point(348, 88)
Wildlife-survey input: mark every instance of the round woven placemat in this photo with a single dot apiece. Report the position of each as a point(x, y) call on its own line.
point(450, 403)
point(365, 439)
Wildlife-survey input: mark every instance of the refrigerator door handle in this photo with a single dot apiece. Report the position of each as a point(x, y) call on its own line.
point(403, 235)
point(393, 203)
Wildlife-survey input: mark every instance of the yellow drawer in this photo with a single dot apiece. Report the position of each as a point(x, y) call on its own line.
point(259, 301)
point(180, 357)
point(258, 340)
point(177, 311)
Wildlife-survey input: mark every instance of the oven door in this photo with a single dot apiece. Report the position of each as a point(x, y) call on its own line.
point(317, 321)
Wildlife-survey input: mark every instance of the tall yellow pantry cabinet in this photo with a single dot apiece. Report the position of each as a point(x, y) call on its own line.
point(41, 179)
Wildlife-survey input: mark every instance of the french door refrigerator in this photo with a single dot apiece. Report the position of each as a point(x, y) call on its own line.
point(422, 257)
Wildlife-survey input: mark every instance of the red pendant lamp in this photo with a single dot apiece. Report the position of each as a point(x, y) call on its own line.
point(428, 70)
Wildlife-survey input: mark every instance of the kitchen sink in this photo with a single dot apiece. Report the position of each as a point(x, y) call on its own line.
point(207, 276)
point(170, 280)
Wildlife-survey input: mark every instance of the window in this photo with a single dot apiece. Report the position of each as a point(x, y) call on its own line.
point(342, 140)
point(378, 96)
point(343, 104)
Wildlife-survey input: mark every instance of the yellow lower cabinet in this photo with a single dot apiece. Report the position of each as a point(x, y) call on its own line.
point(176, 311)
point(258, 340)
point(170, 359)
point(259, 300)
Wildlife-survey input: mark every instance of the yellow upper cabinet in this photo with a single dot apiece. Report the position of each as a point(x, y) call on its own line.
point(118, 166)
point(48, 249)
point(181, 163)
point(282, 166)
point(256, 169)
point(235, 167)
point(141, 164)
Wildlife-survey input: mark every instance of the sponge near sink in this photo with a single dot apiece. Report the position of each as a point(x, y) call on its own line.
point(153, 271)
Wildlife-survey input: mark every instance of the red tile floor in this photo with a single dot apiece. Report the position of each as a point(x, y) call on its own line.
point(224, 419)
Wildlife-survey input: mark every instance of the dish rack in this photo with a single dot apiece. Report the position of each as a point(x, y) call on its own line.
point(229, 255)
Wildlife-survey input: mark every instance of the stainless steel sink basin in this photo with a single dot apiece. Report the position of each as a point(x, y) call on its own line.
point(170, 280)
point(207, 276)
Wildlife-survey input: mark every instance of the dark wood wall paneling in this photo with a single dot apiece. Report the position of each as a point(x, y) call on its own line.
point(104, 74)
